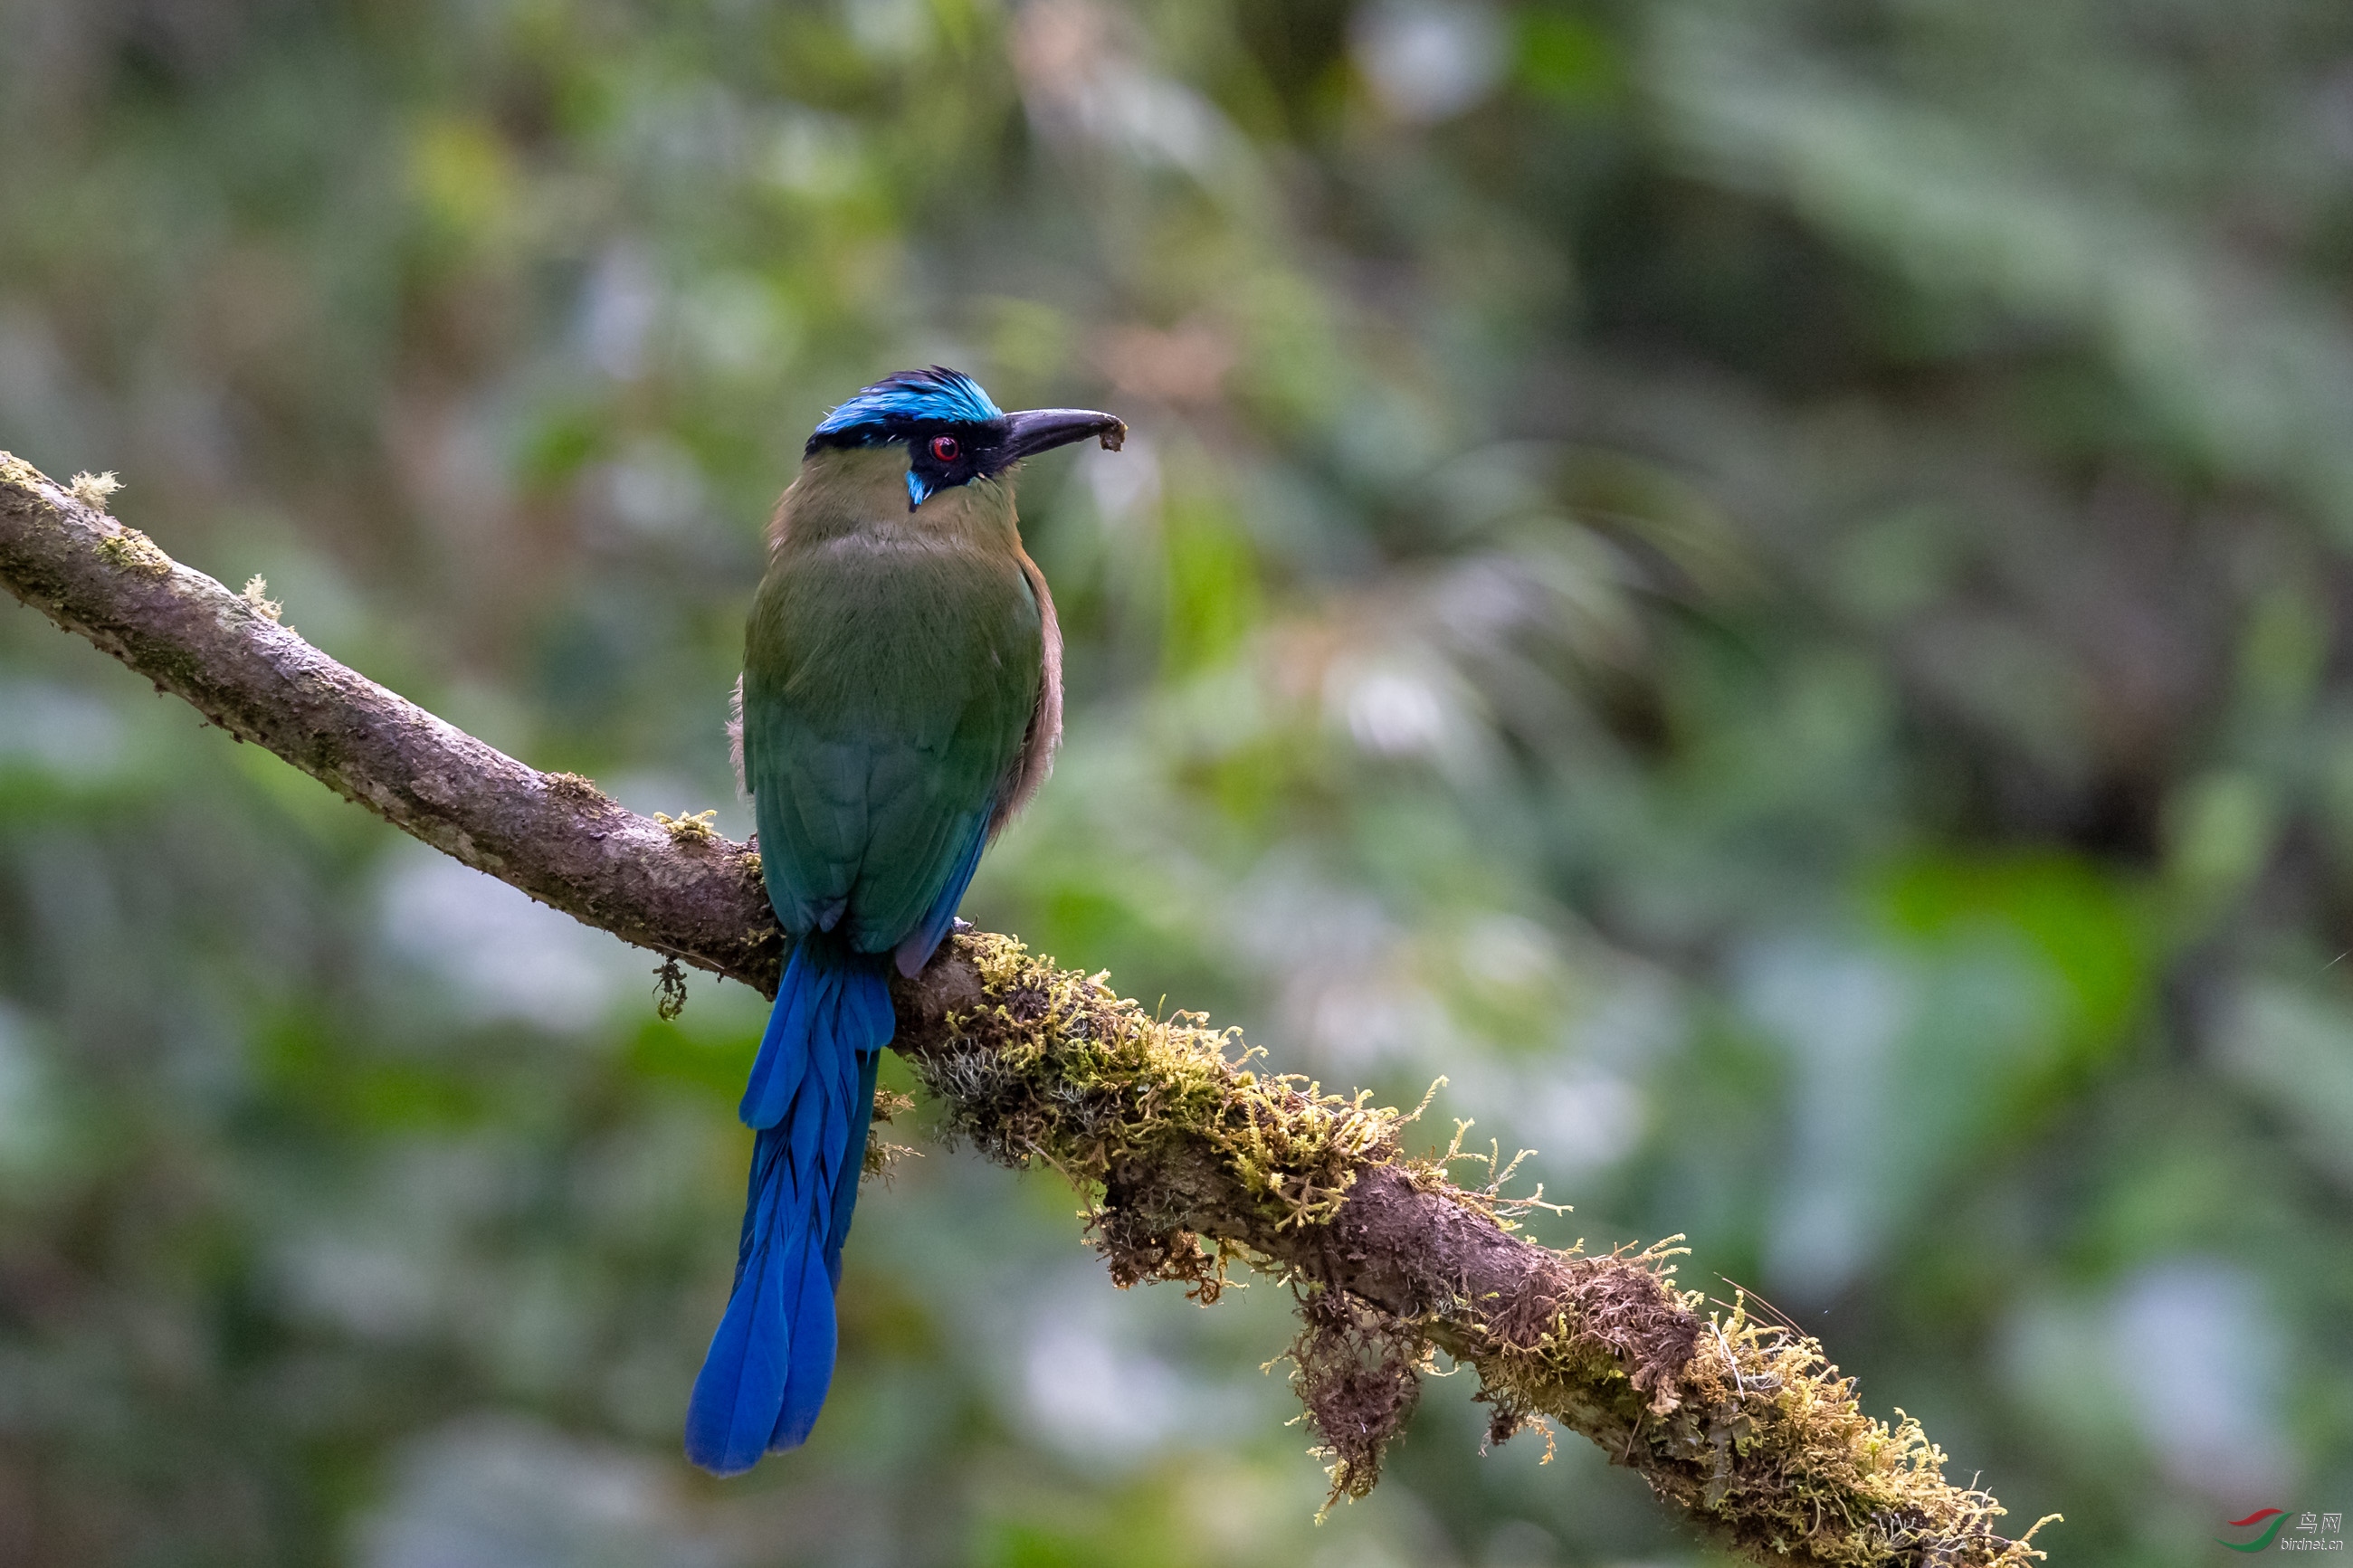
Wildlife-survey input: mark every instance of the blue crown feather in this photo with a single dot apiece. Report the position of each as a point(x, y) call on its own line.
point(889, 405)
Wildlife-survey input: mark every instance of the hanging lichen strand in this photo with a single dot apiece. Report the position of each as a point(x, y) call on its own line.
point(1190, 1160)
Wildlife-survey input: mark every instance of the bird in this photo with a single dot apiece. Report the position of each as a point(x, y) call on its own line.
point(900, 700)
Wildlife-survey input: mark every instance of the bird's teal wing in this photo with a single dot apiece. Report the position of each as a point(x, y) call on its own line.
point(886, 695)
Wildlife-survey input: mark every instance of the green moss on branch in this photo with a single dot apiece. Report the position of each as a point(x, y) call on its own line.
point(1192, 1160)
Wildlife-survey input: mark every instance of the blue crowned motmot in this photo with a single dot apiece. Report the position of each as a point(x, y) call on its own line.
point(902, 698)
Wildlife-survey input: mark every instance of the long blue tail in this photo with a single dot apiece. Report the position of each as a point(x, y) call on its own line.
point(809, 1101)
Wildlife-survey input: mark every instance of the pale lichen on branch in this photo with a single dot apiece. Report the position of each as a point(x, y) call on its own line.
point(1192, 1159)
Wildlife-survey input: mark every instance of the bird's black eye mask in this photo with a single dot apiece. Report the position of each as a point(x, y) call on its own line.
point(943, 455)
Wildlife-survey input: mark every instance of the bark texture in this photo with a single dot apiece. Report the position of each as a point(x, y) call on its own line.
point(675, 889)
point(1191, 1160)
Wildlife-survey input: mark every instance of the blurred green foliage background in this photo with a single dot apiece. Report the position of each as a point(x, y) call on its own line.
point(1762, 586)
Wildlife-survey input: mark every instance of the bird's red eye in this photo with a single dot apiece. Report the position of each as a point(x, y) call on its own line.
point(944, 449)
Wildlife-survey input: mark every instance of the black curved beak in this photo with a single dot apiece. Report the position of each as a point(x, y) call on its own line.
point(1036, 431)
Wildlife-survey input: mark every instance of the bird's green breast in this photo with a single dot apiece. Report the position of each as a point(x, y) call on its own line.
point(892, 665)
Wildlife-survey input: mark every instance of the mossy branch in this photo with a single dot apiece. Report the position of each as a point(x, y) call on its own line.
point(1192, 1160)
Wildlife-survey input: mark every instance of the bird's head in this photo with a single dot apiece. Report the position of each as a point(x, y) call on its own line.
point(952, 433)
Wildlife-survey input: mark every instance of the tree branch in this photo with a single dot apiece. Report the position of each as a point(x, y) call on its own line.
point(1191, 1158)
